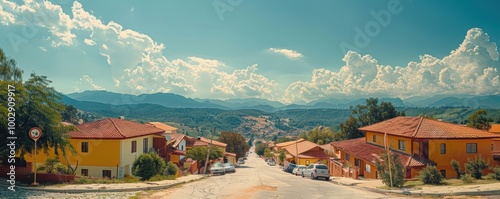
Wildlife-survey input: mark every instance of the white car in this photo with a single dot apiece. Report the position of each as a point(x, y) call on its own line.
point(217, 168)
point(229, 167)
point(316, 170)
point(298, 169)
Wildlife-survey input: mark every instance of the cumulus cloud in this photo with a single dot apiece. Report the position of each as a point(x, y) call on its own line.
point(89, 42)
point(472, 68)
point(290, 54)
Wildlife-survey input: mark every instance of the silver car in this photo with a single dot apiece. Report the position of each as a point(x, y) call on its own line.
point(316, 170)
point(217, 168)
point(229, 167)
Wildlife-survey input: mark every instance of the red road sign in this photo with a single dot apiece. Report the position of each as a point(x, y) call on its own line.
point(35, 133)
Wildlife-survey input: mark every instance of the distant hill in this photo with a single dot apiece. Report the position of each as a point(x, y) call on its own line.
point(171, 100)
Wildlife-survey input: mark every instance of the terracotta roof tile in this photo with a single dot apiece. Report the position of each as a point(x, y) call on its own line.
point(320, 154)
point(418, 127)
point(301, 147)
point(113, 128)
point(230, 154)
point(495, 128)
point(284, 144)
point(369, 152)
point(163, 126)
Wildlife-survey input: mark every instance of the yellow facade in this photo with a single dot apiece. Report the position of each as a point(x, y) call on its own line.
point(104, 153)
point(456, 150)
point(392, 141)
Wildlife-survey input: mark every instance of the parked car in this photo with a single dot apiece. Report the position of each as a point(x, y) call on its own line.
point(217, 168)
point(241, 161)
point(271, 163)
point(316, 170)
point(229, 167)
point(289, 168)
point(298, 169)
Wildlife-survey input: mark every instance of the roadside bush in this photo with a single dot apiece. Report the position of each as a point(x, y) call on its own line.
point(61, 168)
point(397, 169)
point(496, 173)
point(161, 177)
point(476, 166)
point(456, 166)
point(83, 180)
point(147, 165)
point(170, 170)
point(467, 178)
point(50, 164)
point(130, 179)
point(41, 168)
point(430, 175)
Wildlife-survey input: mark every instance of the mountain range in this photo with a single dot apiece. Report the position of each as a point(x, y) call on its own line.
point(171, 100)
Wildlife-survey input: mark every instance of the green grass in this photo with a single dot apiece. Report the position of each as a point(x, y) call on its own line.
point(417, 184)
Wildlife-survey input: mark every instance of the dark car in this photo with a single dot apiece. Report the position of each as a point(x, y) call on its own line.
point(290, 168)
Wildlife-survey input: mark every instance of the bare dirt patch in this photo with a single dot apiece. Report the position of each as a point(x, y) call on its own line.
point(249, 192)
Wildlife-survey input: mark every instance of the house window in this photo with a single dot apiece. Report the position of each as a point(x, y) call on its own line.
point(106, 174)
point(492, 147)
point(443, 173)
point(145, 145)
point(85, 172)
point(401, 145)
point(347, 157)
point(85, 147)
point(134, 146)
point(367, 168)
point(182, 147)
point(374, 138)
point(357, 162)
point(471, 147)
point(443, 148)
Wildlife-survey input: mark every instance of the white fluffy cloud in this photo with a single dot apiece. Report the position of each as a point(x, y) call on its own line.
point(138, 64)
point(290, 54)
point(473, 68)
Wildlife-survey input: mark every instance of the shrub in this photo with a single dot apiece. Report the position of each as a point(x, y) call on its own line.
point(130, 179)
point(50, 164)
point(61, 168)
point(476, 166)
point(397, 170)
point(83, 180)
point(161, 177)
point(456, 166)
point(430, 175)
point(496, 173)
point(41, 168)
point(147, 165)
point(467, 178)
point(171, 169)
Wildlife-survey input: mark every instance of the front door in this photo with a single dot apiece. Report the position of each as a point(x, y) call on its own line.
point(425, 150)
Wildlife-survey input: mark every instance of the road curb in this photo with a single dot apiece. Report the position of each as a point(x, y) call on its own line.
point(419, 192)
point(152, 187)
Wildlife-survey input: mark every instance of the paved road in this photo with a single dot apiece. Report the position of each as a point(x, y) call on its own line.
point(258, 180)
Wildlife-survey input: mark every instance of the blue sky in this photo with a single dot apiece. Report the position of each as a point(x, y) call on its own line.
point(278, 50)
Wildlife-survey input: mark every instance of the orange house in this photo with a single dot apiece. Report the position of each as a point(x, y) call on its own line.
point(418, 141)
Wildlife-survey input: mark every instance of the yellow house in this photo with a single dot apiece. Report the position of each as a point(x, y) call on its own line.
point(305, 153)
point(418, 141)
point(107, 148)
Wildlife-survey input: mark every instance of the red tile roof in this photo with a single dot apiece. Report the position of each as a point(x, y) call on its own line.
point(214, 142)
point(284, 144)
point(369, 152)
point(419, 127)
point(163, 126)
point(230, 154)
point(306, 149)
point(113, 128)
point(495, 128)
point(320, 154)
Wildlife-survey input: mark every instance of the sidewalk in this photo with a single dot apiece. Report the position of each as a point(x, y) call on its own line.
point(372, 185)
point(85, 188)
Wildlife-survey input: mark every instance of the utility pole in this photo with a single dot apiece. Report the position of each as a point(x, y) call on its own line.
point(389, 156)
point(296, 152)
point(208, 151)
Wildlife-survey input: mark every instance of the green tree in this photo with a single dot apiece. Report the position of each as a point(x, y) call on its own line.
point(235, 143)
point(364, 115)
point(199, 153)
point(274, 138)
point(268, 153)
point(476, 166)
point(147, 165)
point(260, 148)
point(319, 135)
point(479, 120)
point(430, 175)
point(282, 156)
point(70, 114)
point(36, 105)
point(396, 169)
